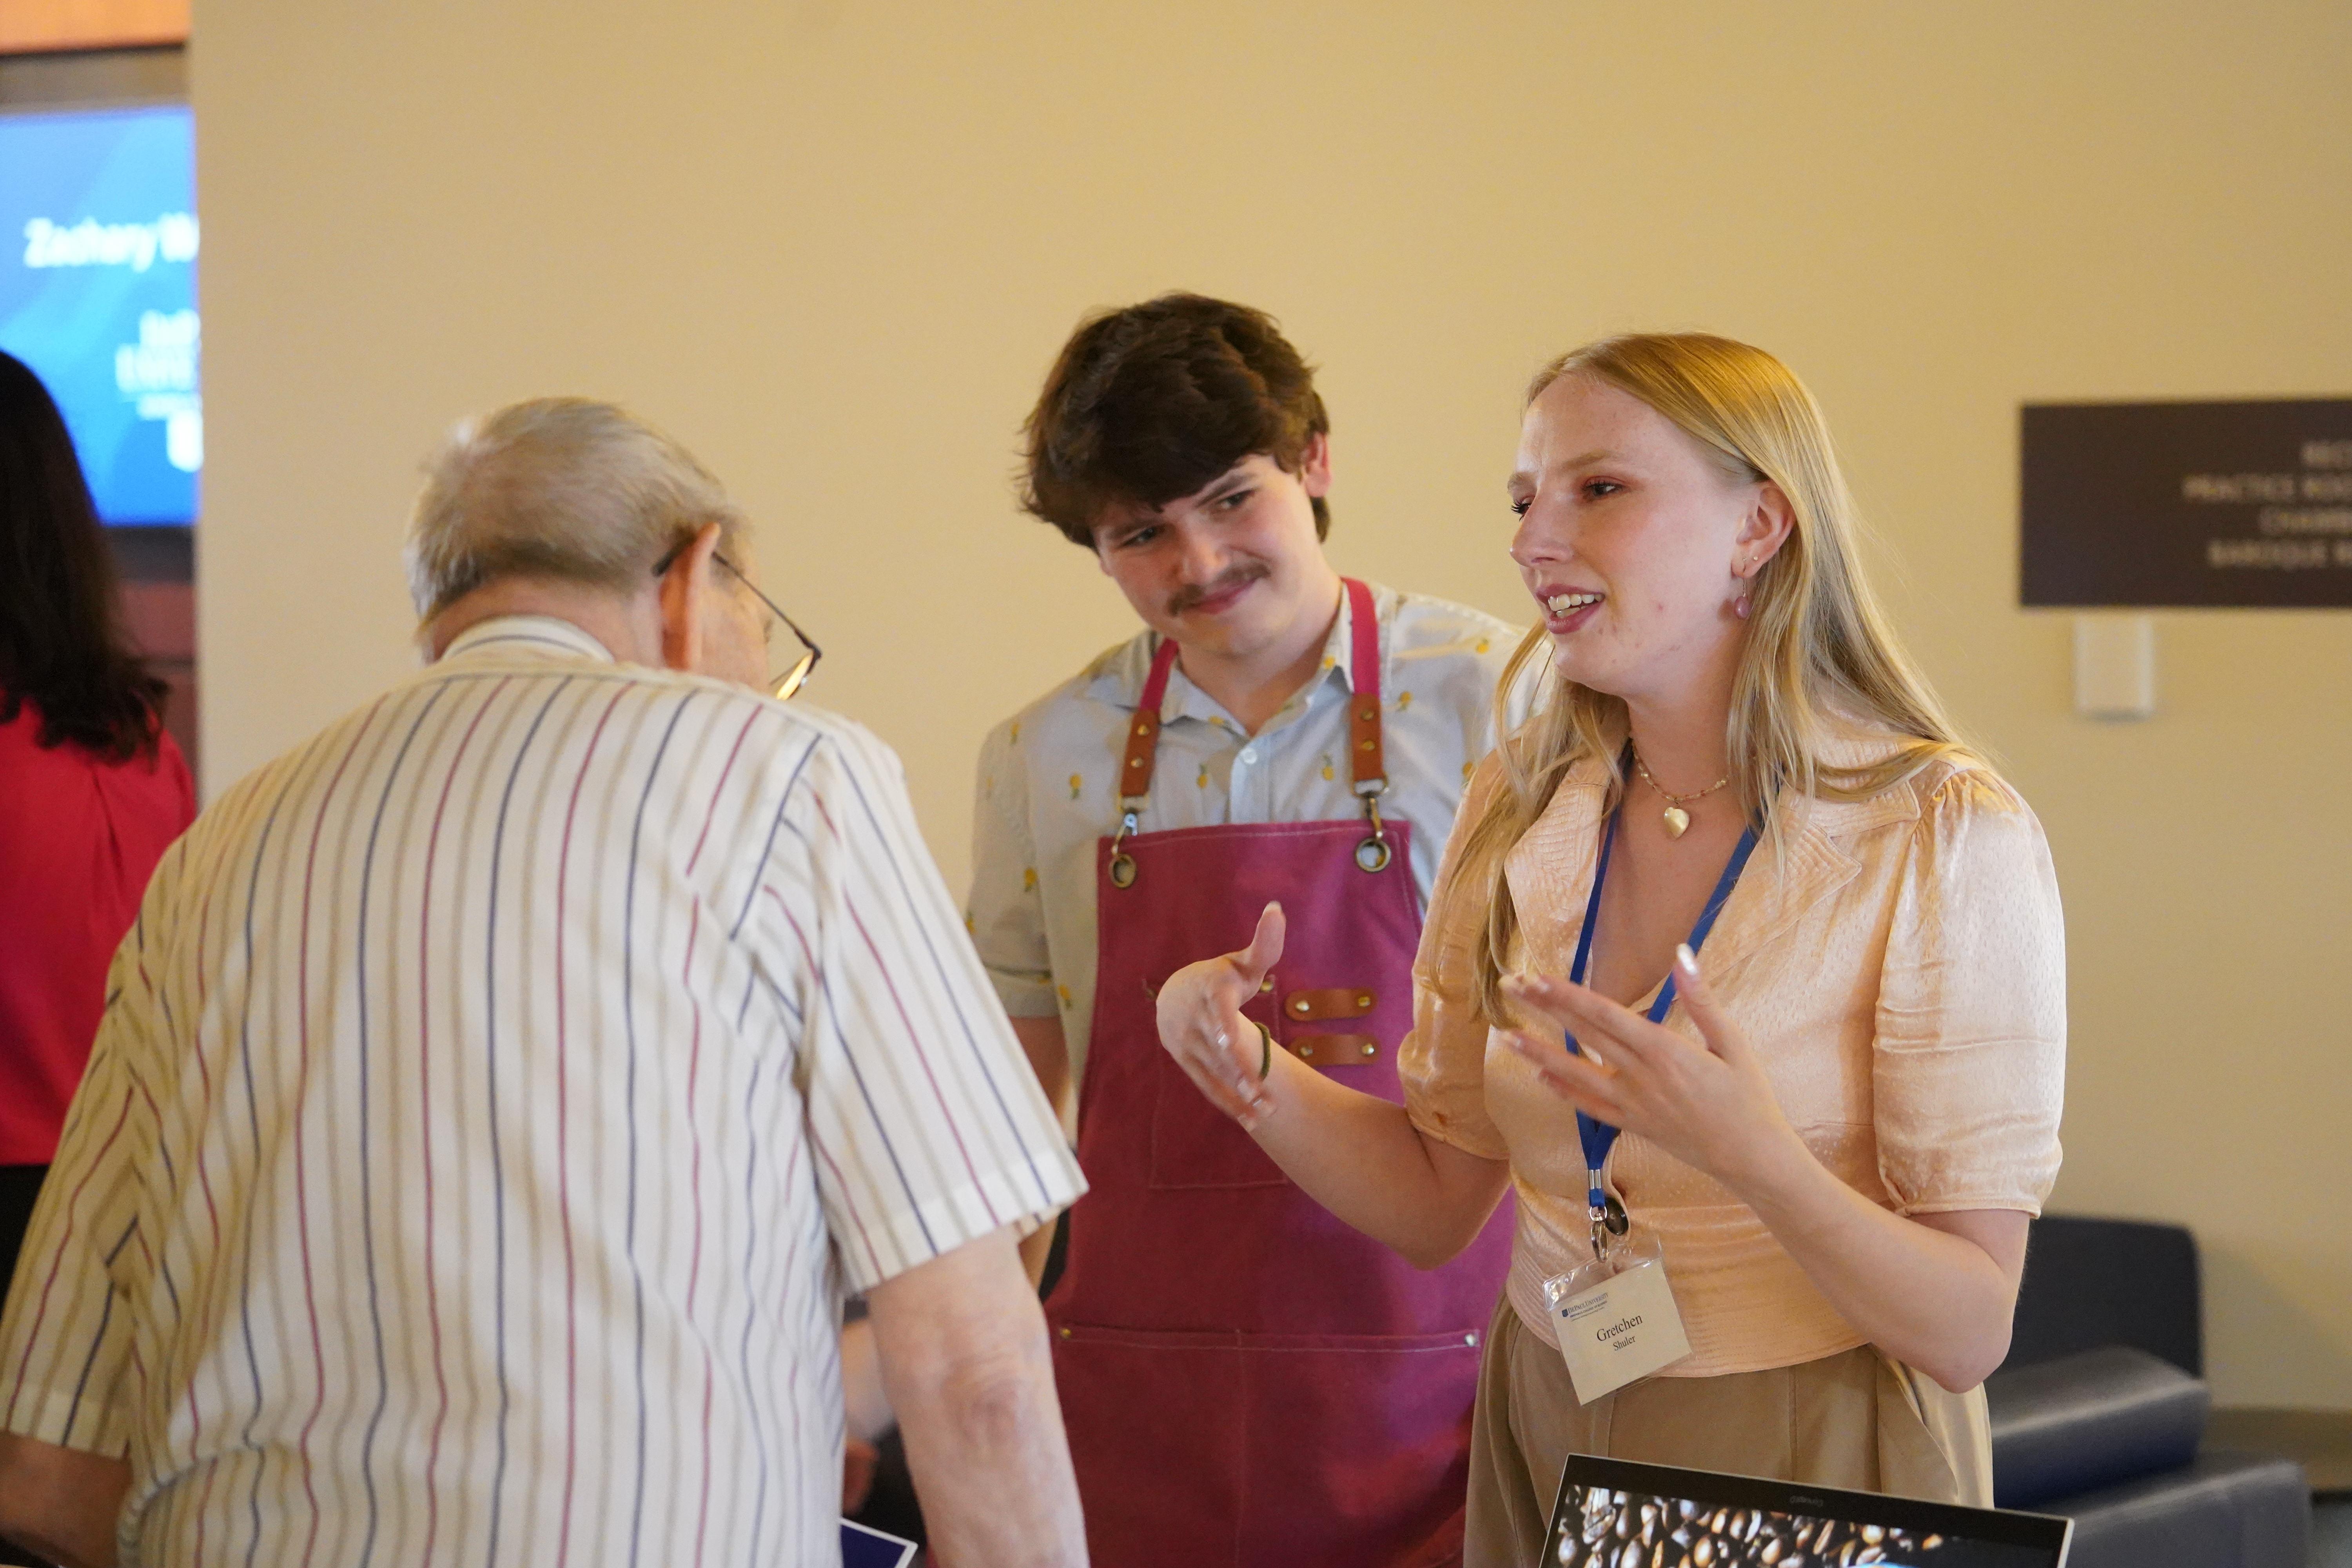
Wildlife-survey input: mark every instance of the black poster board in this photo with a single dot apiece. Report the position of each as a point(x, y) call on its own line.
point(2187, 504)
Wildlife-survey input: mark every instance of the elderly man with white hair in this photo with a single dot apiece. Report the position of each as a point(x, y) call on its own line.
point(499, 1091)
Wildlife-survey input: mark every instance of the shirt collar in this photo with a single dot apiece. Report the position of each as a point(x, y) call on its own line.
point(539, 637)
point(1119, 674)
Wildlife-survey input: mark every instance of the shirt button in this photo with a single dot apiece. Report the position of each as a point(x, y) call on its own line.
point(1249, 753)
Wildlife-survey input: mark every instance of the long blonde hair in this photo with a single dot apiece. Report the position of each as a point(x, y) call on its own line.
point(1818, 646)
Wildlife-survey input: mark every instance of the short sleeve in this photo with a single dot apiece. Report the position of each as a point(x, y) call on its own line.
point(1007, 912)
point(1442, 1062)
point(1969, 1063)
point(65, 1342)
point(928, 1129)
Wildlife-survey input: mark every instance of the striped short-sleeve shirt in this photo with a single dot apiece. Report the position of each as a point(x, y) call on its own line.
point(494, 1099)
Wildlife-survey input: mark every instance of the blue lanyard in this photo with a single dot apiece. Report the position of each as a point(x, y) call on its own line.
point(1600, 1137)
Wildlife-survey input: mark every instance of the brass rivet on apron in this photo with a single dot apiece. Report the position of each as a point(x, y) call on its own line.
point(1304, 1052)
point(1467, 1338)
point(1368, 715)
point(1363, 1002)
point(1065, 1333)
point(1265, 985)
point(1300, 1005)
point(1363, 745)
point(1371, 1051)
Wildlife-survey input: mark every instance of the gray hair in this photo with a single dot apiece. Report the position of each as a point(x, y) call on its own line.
point(557, 487)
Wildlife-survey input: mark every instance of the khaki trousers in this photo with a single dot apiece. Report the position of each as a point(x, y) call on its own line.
point(1856, 1420)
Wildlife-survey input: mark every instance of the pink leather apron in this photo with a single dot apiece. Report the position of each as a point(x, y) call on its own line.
point(1246, 1380)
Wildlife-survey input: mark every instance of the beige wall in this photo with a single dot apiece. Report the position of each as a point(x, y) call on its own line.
point(832, 244)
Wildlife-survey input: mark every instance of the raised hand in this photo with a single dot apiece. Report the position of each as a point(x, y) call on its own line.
point(1200, 1022)
point(1711, 1108)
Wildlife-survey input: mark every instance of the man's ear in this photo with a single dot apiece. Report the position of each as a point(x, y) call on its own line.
point(684, 594)
point(1315, 464)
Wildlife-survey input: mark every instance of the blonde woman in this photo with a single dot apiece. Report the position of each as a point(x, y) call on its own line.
point(1847, 1109)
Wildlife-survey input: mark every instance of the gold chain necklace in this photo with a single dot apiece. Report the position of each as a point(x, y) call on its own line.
point(1677, 819)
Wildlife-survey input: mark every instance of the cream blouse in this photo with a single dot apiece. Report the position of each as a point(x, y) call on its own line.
point(1901, 971)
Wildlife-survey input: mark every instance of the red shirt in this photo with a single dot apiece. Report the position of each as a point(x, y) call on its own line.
point(79, 837)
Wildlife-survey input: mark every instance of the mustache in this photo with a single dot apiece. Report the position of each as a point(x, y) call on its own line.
point(1193, 597)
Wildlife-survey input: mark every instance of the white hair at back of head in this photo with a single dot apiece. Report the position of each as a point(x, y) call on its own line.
point(557, 487)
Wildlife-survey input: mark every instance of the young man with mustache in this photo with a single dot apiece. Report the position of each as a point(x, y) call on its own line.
point(1245, 1380)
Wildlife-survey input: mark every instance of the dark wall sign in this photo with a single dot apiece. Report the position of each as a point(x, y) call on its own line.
point(2188, 503)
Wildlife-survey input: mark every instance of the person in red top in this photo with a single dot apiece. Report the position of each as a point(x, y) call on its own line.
point(92, 791)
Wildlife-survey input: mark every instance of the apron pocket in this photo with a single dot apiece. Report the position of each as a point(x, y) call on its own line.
point(1154, 1423)
point(1360, 1448)
point(1194, 1144)
point(1196, 1450)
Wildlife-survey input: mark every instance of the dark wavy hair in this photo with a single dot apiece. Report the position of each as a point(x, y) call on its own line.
point(1150, 403)
point(63, 644)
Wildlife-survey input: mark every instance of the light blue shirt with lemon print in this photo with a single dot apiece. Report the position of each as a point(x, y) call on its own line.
point(1046, 788)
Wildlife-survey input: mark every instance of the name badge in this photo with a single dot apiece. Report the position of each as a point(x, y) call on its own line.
point(1624, 1328)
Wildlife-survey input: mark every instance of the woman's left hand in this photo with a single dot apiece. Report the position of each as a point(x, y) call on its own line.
point(1711, 1108)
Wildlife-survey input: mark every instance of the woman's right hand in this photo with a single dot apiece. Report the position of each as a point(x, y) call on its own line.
point(1200, 1022)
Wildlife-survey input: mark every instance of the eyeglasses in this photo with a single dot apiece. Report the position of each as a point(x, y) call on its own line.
point(781, 687)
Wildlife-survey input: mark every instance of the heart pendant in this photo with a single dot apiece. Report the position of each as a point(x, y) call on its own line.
point(1677, 819)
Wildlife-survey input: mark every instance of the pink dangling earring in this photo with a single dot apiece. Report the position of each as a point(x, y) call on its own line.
point(1740, 606)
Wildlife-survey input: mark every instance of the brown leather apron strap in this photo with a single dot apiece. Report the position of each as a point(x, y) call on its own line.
point(1143, 730)
point(1366, 752)
point(1142, 754)
point(1367, 756)
point(1367, 759)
